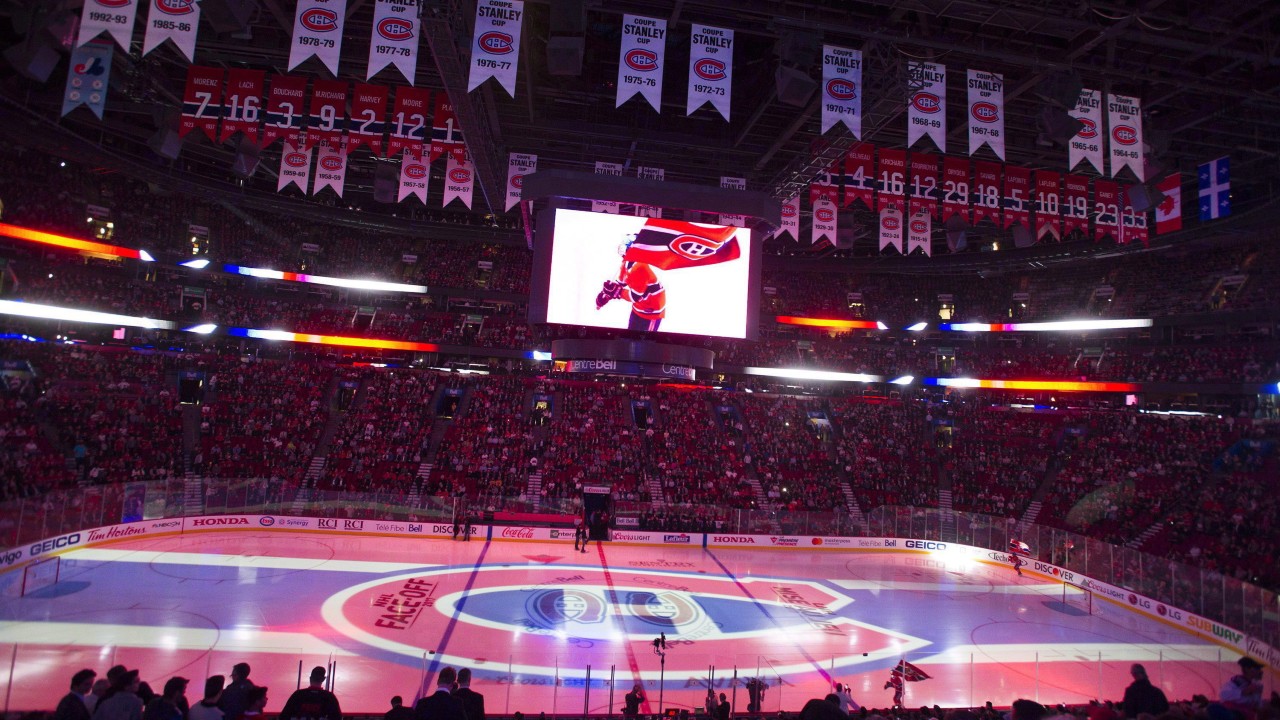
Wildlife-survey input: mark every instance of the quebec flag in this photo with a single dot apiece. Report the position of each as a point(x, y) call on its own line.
point(1215, 189)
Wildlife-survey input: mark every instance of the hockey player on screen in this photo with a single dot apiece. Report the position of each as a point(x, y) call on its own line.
point(663, 245)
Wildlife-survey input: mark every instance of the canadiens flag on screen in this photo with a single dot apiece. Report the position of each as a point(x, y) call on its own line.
point(640, 59)
point(495, 46)
point(675, 244)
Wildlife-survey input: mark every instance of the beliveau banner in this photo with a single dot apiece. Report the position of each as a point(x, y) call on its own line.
point(891, 228)
point(710, 69)
point(641, 59)
point(331, 166)
point(842, 88)
point(317, 32)
point(1124, 118)
point(446, 136)
point(986, 111)
point(495, 45)
point(243, 104)
point(114, 17)
point(395, 38)
point(518, 165)
point(608, 206)
point(955, 188)
point(733, 183)
point(860, 175)
point(176, 20)
point(791, 218)
point(414, 174)
point(295, 166)
point(1017, 196)
point(1048, 202)
point(201, 101)
point(920, 230)
point(1169, 212)
point(1075, 204)
point(328, 112)
point(924, 183)
point(893, 181)
point(824, 221)
point(88, 74)
point(986, 191)
point(408, 121)
point(459, 178)
point(927, 108)
point(284, 110)
point(1106, 210)
point(368, 118)
point(1087, 142)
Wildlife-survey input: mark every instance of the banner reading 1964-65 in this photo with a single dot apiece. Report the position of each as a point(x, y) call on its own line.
point(495, 45)
point(1124, 123)
point(641, 59)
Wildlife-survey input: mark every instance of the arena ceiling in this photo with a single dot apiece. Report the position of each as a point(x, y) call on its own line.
point(1208, 75)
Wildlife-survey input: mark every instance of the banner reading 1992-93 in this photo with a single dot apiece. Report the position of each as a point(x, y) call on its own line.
point(114, 17)
point(495, 45)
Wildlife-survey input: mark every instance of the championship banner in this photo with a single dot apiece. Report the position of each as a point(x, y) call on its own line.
point(114, 17)
point(408, 120)
point(368, 118)
point(176, 20)
point(459, 178)
point(1017, 196)
point(1048, 202)
point(1133, 224)
point(241, 108)
point(920, 230)
point(733, 183)
point(446, 136)
point(927, 109)
point(893, 181)
point(986, 111)
point(495, 45)
point(518, 165)
point(414, 174)
point(791, 218)
point(608, 206)
point(924, 183)
point(284, 110)
point(317, 31)
point(650, 173)
point(328, 112)
point(87, 75)
point(710, 69)
point(641, 59)
point(1124, 118)
point(955, 188)
point(860, 175)
point(1087, 142)
point(331, 166)
point(1106, 210)
point(824, 222)
point(295, 166)
point(823, 187)
point(201, 101)
point(1169, 212)
point(842, 89)
point(986, 192)
point(395, 38)
point(1075, 204)
point(891, 228)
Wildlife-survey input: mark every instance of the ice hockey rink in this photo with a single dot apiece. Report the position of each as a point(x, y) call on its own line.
point(533, 618)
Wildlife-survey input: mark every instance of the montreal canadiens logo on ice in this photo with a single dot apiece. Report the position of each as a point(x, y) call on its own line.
point(175, 7)
point(985, 112)
point(842, 89)
point(496, 43)
point(709, 69)
point(926, 102)
point(395, 29)
point(641, 60)
point(319, 20)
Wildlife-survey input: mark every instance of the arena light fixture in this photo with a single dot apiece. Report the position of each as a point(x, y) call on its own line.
point(333, 340)
point(268, 274)
point(540, 355)
point(197, 264)
point(52, 312)
point(917, 327)
point(801, 374)
point(832, 324)
point(1051, 385)
point(1057, 326)
point(70, 243)
point(204, 329)
point(904, 380)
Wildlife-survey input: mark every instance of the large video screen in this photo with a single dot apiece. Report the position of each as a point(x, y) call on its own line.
point(614, 271)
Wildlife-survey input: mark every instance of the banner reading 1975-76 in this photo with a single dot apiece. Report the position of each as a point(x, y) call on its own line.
point(641, 59)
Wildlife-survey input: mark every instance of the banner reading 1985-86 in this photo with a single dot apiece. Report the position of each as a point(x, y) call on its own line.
point(641, 59)
point(495, 45)
point(176, 20)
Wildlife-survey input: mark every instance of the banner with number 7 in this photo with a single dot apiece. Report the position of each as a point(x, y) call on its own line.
point(201, 101)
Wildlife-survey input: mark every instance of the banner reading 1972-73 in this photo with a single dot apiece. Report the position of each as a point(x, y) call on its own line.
point(710, 69)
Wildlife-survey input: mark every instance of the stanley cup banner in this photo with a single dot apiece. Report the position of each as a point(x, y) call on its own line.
point(842, 89)
point(607, 206)
point(317, 32)
point(986, 192)
point(459, 178)
point(860, 175)
point(791, 218)
point(518, 165)
point(1017, 196)
point(710, 69)
point(368, 118)
point(284, 110)
point(1087, 142)
point(1106, 210)
point(986, 111)
point(201, 101)
point(1048, 205)
point(176, 20)
point(641, 59)
point(495, 45)
point(87, 76)
point(733, 183)
point(114, 17)
point(414, 174)
point(408, 120)
point(927, 109)
point(650, 173)
point(243, 104)
point(955, 188)
point(891, 228)
point(328, 117)
point(331, 166)
point(920, 231)
point(1075, 204)
point(824, 222)
point(395, 38)
point(1124, 124)
point(893, 180)
point(295, 166)
point(924, 183)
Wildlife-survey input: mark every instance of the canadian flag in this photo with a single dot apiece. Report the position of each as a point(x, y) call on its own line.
point(1169, 212)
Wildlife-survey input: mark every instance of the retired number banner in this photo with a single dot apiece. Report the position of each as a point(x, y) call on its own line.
point(446, 136)
point(986, 111)
point(1124, 119)
point(284, 110)
point(1017, 196)
point(1133, 224)
point(842, 88)
point(176, 20)
point(860, 175)
point(201, 101)
point(395, 38)
point(927, 108)
point(518, 165)
point(328, 112)
point(710, 69)
point(641, 59)
point(824, 187)
point(495, 45)
point(243, 105)
point(1106, 210)
point(1087, 142)
point(368, 118)
point(893, 181)
point(955, 188)
point(924, 183)
point(1075, 204)
point(1048, 220)
point(408, 121)
point(317, 32)
point(986, 192)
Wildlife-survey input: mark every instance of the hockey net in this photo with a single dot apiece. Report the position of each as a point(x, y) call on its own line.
point(1078, 597)
point(41, 574)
